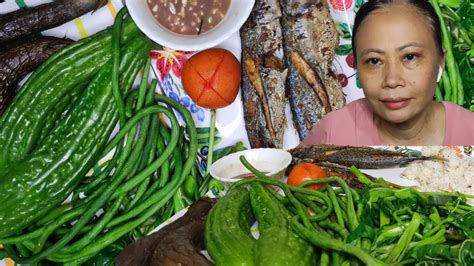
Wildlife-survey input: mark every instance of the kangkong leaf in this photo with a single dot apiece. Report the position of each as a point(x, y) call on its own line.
point(466, 253)
point(434, 252)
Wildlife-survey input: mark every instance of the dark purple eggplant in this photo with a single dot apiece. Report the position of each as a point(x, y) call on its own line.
point(24, 22)
point(21, 57)
point(178, 243)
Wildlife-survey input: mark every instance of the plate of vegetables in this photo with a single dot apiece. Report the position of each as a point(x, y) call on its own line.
point(374, 225)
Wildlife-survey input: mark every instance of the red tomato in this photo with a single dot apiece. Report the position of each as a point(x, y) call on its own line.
point(212, 78)
point(306, 172)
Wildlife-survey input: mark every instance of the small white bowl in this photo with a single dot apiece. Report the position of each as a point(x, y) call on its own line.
point(273, 162)
point(236, 15)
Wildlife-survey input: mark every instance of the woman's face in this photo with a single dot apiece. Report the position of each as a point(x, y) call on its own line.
point(397, 62)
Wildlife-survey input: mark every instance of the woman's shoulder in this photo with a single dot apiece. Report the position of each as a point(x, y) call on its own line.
point(355, 108)
point(341, 126)
point(454, 109)
point(457, 115)
point(459, 125)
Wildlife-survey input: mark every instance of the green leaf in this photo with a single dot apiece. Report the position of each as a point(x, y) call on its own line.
point(466, 70)
point(435, 252)
point(450, 3)
point(464, 222)
point(107, 256)
point(344, 49)
point(375, 195)
point(466, 253)
point(405, 193)
point(239, 146)
point(216, 187)
point(466, 13)
point(362, 231)
point(344, 30)
point(398, 252)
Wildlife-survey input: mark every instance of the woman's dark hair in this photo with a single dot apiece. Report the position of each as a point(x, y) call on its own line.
point(423, 6)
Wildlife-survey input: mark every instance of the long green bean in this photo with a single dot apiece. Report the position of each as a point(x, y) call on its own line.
point(335, 206)
point(96, 205)
point(116, 62)
point(324, 259)
point(85, 240)
point(120, 156)
point(163, 194)
point(150, 147)
point(321, 241)
point(336, 258)
point(452, 69)
point(319, 215)
point(353, 219)
point(148, 201)
point(340, 230)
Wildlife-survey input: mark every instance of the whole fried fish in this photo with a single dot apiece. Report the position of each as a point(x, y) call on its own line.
point(264, 75)
point(361, 157)
point(310, 42)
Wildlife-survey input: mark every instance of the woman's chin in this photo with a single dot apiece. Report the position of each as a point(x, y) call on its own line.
point(396, 117)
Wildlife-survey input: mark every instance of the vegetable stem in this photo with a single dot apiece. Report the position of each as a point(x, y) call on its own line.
point(328, 243)
point(210, 149)
point(398, 252)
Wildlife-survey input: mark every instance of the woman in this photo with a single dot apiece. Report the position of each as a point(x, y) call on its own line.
point(399, 59)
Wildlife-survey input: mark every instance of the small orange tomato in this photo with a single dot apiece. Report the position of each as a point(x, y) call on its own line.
point(212, 78)
point(306, 172)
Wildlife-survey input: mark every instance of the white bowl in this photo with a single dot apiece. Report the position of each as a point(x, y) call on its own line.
point(237, 14)
point(273, 162)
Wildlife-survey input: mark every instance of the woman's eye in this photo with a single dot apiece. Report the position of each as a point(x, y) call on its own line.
point(410, 57)
point(373, 61)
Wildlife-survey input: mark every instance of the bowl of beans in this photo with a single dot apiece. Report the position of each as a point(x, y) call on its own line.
point(189, 25)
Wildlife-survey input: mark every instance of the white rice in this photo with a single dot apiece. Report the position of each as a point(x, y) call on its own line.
point(454, 174)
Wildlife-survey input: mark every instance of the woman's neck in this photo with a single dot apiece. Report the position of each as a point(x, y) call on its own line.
point(427, 128)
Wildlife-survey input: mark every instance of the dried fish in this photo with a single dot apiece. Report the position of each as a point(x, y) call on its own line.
point(361, 157)
point(310, 42)
point(288, 48)
point(293, 8)
point(306, 107)
point(265, 11)
point(264, 75)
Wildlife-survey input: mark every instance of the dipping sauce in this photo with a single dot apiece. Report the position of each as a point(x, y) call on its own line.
point(189, 17)
point(246, 176)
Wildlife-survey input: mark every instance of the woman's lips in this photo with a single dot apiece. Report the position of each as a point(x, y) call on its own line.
point(395, 104)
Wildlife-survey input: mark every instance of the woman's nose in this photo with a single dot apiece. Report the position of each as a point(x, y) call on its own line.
point(393, 76)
